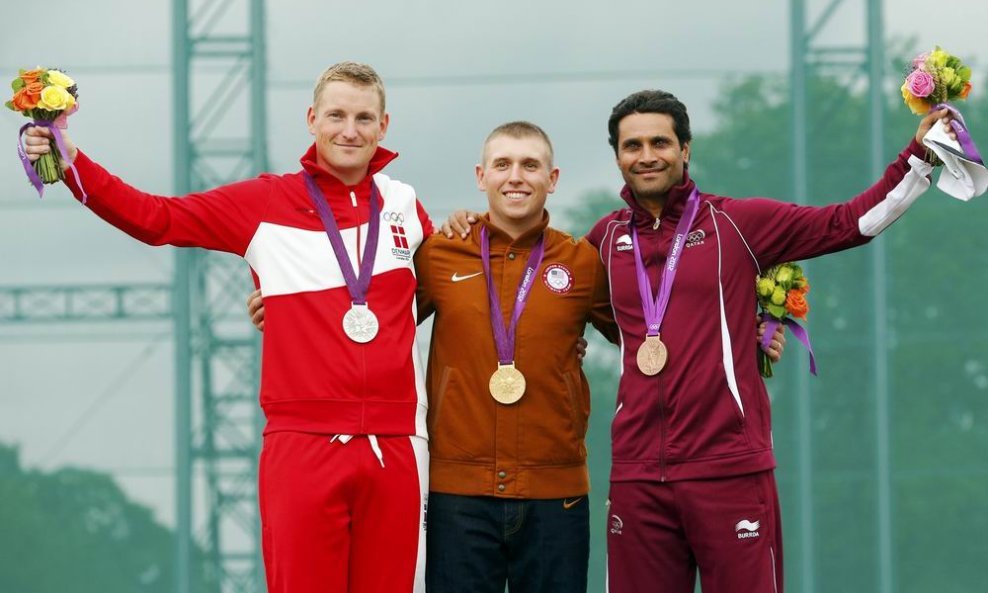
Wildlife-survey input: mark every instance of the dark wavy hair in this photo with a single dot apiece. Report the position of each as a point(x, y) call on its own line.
point(650, 101)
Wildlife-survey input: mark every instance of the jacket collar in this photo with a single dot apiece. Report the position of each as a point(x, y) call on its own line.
point(327, 180)
point(500, 239)
point(673, 208)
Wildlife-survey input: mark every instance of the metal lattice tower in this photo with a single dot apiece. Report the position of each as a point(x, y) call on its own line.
point(220, 125)
point(860, 63)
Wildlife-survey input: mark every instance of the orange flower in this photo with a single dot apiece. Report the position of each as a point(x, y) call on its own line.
point(796, 304)
point(806, 287)
point(33, 90)
point(30, 76)
point(24, 101)
point(967, 89)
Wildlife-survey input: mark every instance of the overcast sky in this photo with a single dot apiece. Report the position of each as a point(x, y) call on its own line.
point(100, 396)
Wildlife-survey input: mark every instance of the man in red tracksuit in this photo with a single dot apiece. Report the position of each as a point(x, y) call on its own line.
point(344, 468)
point(692, 483)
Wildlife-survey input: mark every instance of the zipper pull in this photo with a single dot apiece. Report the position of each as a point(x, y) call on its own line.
point(353, 199)
point(655, 225)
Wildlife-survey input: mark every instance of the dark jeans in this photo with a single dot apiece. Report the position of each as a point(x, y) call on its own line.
point(476, 544)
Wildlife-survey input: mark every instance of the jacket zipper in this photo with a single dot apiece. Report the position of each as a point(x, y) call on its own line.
point(658, 388)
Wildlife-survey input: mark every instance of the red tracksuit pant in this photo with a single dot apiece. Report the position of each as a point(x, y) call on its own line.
point(343, 517)
point(660, 533)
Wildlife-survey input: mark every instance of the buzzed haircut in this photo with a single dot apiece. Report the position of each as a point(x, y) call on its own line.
point(352, 72)
point(650, 101)
point(518, 129)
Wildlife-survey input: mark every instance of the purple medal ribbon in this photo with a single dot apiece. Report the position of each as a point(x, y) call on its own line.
point(655, 310)
point(771, 324)
point(963, 136)
point(504, 338)
point(32, 175)
point(356, 285)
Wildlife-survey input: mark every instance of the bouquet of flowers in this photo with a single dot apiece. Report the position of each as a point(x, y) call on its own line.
point(933, 80)
point(782, 292)
point(47, 96)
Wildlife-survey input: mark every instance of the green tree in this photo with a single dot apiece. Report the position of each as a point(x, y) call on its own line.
point(74, 530)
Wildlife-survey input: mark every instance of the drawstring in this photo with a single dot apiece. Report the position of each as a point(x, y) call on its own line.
point(346, 438)
point(376, 448)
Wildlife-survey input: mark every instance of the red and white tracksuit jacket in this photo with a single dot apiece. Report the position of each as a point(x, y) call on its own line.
point(314, 379)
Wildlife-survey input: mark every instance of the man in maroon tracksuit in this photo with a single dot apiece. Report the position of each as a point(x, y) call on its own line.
point(692, 482)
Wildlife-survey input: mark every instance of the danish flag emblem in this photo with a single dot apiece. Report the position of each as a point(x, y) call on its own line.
point(398, 232)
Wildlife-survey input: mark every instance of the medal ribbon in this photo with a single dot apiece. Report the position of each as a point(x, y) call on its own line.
point(655, 310)
point(504, 338)
point(963, 136)
point(771, 323)
point(356, 285)
point(32, 175)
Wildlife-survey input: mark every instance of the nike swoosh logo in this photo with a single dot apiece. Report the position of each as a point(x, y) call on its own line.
point(568, 504)
point(458, 278)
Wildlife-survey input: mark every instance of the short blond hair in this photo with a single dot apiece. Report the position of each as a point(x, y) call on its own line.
point(519, 130)
point(352, 72)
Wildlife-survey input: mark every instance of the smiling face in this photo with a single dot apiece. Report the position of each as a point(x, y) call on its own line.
point(348, 121)
point(650, 155)
point(518, 175)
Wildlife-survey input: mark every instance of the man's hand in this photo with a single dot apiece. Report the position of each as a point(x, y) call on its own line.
point(459, 223)
point(37, 141)
point(778, 343)
point(581, 349)
point(255, 308)
point(931, 119)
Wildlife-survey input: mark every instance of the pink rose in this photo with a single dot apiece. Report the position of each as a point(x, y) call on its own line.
point(919, 60)
point(921, 84)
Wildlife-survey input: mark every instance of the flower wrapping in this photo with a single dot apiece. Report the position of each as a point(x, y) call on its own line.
point(781, 292)
point(47, 96)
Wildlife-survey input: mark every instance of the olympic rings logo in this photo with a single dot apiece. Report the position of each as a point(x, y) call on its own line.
point(393, 217)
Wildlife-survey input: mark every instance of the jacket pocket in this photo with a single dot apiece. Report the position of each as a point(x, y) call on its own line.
point(460, 421)
point(579, 400)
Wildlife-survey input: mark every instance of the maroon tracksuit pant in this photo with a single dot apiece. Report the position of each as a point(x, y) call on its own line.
point(660, 533)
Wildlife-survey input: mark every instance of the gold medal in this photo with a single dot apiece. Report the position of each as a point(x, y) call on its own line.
point(652, 356)
point(507, 384)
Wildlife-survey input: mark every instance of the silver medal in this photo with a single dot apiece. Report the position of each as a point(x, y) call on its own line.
point(360, 324)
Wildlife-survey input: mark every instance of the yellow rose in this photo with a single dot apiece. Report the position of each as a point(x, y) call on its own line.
point(59, 78)
point(938, 58)
point(948, 76)
point(779, 296)
point(765, 287)
point(784, 275)
point(916, 105)
point(55, 98)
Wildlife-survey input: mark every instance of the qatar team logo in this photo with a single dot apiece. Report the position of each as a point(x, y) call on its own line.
point(558, 278)
point(624, 243)
point(695, 238)
point(400, 249)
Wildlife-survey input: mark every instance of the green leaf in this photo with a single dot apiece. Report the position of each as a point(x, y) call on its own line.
point(17, 84)
point(777, 311)
point(10, 105)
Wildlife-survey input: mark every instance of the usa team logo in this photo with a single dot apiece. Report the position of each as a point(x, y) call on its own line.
point(558, 278)
point(395, 220)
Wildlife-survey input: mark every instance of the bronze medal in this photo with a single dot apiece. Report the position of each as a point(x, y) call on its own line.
point(507, 384)
point(652, 356)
